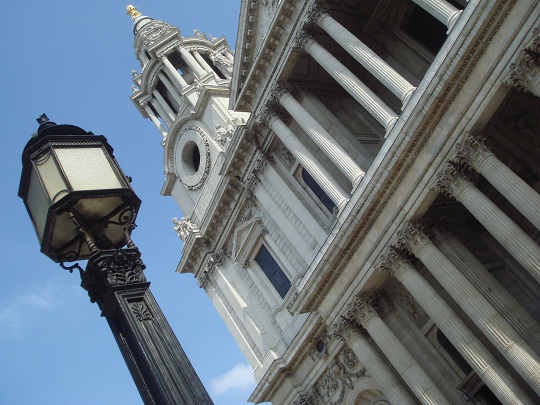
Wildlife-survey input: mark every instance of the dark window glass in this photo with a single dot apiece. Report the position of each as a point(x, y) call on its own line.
point(318, 191)
point(272, 270)
point(454, 354)
point(427, 30)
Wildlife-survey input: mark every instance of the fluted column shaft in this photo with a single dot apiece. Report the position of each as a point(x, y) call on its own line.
point(155, 121)
point(522, 196)
point(441, 10)
point(490, 288)
point(499, 332)
point(161, 111)
point(322, 138)
point(358, 90)
point(202, 62)
point(173, 74)
point(172, 90)
point(406, 366)
point(308, 161)
point(494, 375)
point(497, 223)
point(375, 65)
point(375, 365)
point(191, 62)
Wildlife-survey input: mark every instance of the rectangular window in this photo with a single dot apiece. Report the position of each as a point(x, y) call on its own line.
point(272, 270)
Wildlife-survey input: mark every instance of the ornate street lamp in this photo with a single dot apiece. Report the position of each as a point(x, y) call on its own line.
point(82, 207)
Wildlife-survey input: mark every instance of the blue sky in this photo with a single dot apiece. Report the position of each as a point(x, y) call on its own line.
point(72, 60)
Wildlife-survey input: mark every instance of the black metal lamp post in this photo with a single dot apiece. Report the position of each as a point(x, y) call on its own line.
point(82, 207)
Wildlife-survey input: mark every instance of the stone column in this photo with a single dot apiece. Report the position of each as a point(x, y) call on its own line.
point(191, 62)
point(489, 287)
point(501, 334)
point(375, 365)
point(320, 136)
point(441, 10)
point(475, 153)
point(155, 120)
point(358, 90)
point(173, 74)
point(306, 158)
point(229, 56)
point(164, 105)
point(202, 62)
point(172, 90)
point(362, 311)
point(494, 375)
point(375, 65)
point(497, 223)
point(162, 113)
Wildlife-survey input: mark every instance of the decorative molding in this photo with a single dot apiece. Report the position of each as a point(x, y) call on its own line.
point(141, 312)
point(185, 228)
point(339, 377)
point(110, 269)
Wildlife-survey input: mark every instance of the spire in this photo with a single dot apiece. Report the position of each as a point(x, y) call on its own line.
point(132, 11)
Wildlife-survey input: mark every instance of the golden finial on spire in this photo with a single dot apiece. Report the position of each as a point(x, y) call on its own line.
point(132, 11)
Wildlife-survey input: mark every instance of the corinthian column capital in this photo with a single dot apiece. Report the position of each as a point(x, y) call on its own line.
point(279, 90)
point(525, 73)
point(394, 264)
point(303, 40)
point(452, 182)
point(265, 117)
point(473, 152)
point(345, 330)
point(413, 238)
point(316, 12)
point(362, 309)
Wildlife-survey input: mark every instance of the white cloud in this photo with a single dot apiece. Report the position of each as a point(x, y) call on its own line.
point(16, 313)
point(240, 377)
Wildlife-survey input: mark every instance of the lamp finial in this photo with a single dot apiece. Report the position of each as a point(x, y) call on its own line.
point(132, 11)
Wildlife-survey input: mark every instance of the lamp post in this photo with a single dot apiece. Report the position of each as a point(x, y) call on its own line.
point(82, 207)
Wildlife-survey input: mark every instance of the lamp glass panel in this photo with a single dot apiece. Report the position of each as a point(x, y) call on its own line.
point(37, 204)
point(88, 168)
point(51, 177)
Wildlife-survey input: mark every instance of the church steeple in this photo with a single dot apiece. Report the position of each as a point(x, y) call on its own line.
point(184, 89)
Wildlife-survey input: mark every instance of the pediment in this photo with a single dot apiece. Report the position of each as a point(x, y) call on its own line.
point(245, 238)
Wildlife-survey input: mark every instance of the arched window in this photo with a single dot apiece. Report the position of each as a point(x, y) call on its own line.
point(318, 191)
point(273, 271)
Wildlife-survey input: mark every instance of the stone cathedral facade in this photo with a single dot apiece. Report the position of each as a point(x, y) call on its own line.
point(360, 186)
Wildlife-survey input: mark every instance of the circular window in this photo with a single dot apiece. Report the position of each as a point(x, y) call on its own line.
point(191, 158)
